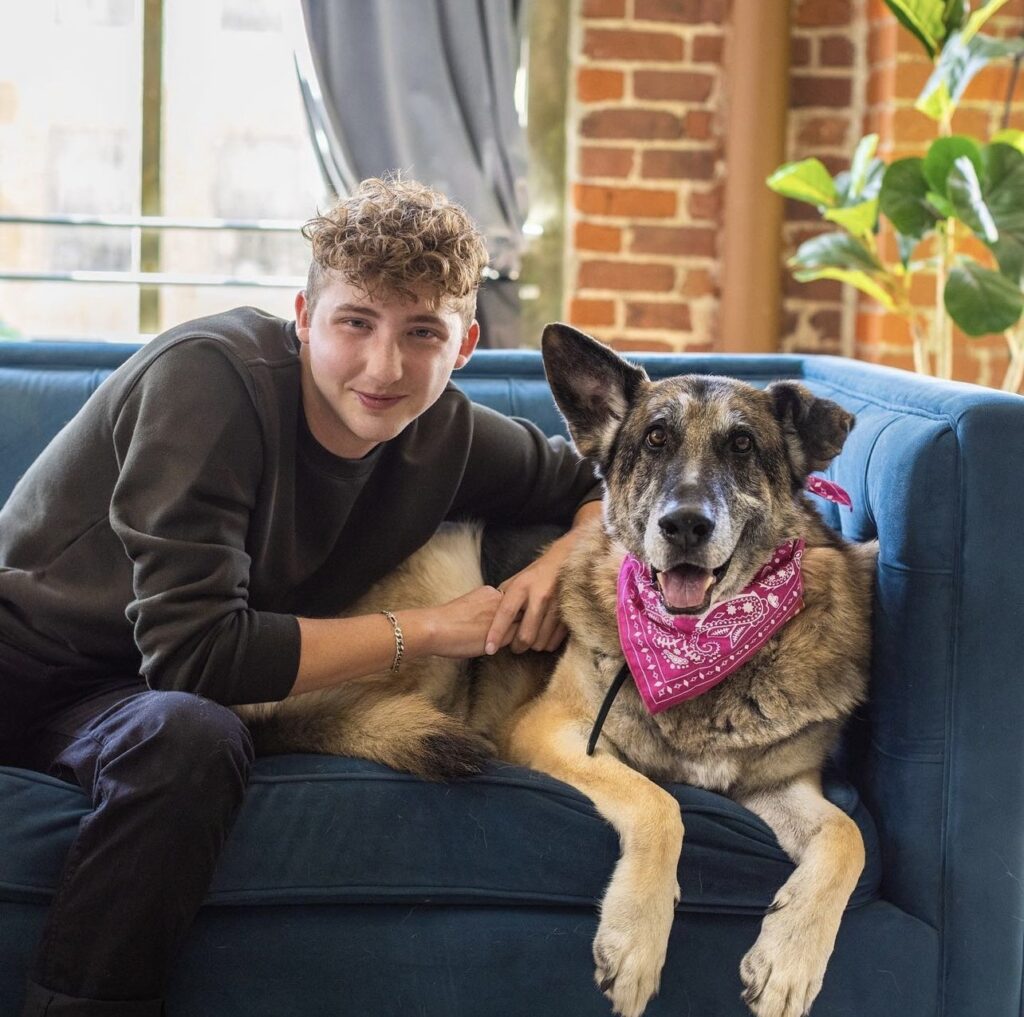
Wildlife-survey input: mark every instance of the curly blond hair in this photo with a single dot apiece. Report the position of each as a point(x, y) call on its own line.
point(399, 238)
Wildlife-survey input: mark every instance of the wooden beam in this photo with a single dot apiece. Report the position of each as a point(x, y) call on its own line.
point(757, 81)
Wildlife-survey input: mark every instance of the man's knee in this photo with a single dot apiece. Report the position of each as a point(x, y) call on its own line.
point(182, 739)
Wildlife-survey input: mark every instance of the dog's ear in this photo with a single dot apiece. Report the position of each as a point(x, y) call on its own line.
point(592, 386)
point(814, 429)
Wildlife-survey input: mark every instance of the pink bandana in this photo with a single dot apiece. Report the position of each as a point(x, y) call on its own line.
point(677, 657)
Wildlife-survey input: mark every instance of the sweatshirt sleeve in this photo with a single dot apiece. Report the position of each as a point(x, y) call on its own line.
point(189, 447)
point(516, 474)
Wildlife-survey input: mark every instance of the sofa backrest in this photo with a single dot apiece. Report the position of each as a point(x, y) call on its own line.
point(44, 384)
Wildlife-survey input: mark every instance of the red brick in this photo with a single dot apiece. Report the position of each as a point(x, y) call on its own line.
point(605, 44)
point(590, 237)
point(827, 323)
point(591, 312)
point(604, 8)
point(821, 13)
point(799, 51)
point(644, 124)
point(708, 49)
point(836, 51)
point(596, 85)
point(698, 283)
point(815, 90)
point(592, 199)
point(822, 290)
point(683, 86)
point(692, 12)
point(678, 164)
point(658, 315)
point(910, 77)
point(606, 162)
point(705, 205)
point(626, 275)
point(697, 124)
point(824, 131)
point(695, 241)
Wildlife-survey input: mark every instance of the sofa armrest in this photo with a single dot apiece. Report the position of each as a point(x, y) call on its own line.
point(936, 470)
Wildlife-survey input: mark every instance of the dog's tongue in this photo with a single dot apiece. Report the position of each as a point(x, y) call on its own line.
point(685, 586)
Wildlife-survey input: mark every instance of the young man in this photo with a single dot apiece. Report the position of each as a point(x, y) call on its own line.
point(185, 544)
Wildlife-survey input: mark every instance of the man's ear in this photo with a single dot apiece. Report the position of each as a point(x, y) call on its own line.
point(468, 344)
point(814, 429)
point(593, 387)
point(301, 316)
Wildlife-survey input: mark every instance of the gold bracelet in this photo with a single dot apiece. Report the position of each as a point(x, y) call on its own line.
point(399, 641)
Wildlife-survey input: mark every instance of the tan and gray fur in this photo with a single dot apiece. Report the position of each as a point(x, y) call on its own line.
point(760, 737)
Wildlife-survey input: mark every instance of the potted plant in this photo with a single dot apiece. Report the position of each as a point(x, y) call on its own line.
point(958, 211)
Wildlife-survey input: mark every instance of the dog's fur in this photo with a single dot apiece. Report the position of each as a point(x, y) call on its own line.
point(760, 737)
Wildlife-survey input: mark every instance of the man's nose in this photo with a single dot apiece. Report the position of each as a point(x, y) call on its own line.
point(384, 362)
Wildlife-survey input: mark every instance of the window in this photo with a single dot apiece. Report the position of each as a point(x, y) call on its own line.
point(233, 144)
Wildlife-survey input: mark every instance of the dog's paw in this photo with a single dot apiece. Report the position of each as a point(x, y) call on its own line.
point(783, 971)
point(629, 949)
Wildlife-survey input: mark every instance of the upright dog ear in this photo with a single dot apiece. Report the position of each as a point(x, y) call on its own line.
point(593, 387)
point(815, 429)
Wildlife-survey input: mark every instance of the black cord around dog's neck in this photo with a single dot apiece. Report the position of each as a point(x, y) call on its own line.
point(613, 691)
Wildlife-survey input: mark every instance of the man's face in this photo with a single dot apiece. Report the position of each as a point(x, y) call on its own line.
point(370, 367)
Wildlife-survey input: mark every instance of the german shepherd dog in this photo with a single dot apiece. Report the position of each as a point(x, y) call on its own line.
point(704, 479)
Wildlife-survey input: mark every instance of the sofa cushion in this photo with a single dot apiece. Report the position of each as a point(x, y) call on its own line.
point(319, 829)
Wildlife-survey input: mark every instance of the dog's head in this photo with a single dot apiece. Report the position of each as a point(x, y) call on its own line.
point(700, 471)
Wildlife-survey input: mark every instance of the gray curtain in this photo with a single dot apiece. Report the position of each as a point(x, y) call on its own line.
point(426, 87)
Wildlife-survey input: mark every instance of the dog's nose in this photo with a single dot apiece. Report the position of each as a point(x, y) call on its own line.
point(686, 526)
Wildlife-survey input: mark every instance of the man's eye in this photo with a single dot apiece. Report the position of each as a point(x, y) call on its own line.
point(355, 322)
point(656, 437)
point(424, 333)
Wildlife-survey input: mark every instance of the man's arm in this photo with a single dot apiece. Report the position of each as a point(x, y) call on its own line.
point(334, 650)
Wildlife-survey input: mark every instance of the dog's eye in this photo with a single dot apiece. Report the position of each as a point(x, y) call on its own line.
point(742, 442)
point(656, 436)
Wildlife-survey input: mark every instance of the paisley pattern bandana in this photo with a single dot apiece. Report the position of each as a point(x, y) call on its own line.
point(677, 657)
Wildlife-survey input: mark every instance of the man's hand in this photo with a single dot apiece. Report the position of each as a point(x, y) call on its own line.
point(528, 617)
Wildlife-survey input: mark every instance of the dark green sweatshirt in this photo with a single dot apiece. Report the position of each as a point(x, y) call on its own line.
point(181, 521)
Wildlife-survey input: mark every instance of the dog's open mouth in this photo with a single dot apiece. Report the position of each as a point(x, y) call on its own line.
point(687, 589)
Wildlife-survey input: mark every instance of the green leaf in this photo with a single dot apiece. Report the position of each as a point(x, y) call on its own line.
point(924, 18)
point(835, 250)
point(1002, 184)
point(903, 198)
point(807, 180)
point(943, 153)
point(980, 16)
point(964, 189)
point(857, 219)
point(941, 204)
point(961, 58)
point(1009, 136)
point(954, 15)
point(981, 301)
point(860, 166)
point(864, 282)
point(907, 246)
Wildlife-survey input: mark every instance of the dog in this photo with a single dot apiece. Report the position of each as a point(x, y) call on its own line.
point(704, 481)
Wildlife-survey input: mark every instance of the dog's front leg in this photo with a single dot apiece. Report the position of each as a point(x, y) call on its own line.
point(783, 971)
point(638, 906)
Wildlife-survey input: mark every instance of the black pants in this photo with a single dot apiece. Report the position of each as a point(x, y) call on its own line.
point(165, 772)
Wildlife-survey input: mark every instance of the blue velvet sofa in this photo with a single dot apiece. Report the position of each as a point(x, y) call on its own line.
point(349, 889)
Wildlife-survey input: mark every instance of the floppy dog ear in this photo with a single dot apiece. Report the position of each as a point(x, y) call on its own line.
point(814, 429)
point(593, 387)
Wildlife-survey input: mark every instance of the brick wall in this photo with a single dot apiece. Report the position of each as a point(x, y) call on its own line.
point(646, 169)
point(828, 69)
point(647, 165)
